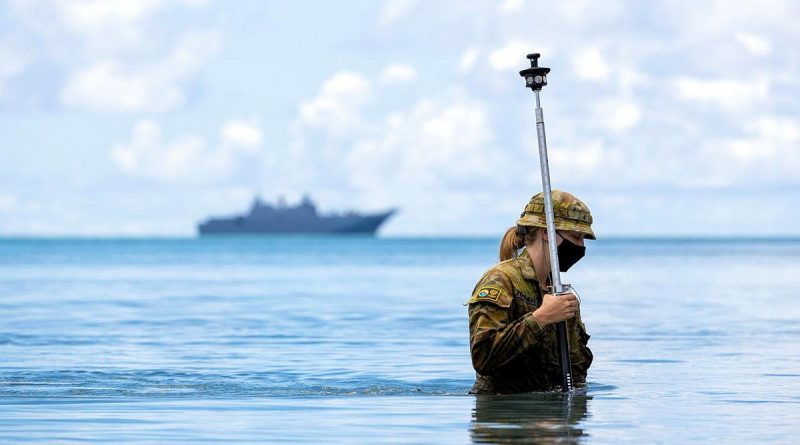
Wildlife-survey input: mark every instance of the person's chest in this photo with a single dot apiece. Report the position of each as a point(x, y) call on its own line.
point(527, 298)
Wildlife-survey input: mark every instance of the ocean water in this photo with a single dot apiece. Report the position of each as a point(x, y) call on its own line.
point(364, 340)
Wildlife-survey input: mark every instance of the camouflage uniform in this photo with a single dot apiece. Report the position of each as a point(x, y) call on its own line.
point(510, 351)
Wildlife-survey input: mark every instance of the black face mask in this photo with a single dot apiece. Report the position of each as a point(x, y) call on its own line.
point(568, 254)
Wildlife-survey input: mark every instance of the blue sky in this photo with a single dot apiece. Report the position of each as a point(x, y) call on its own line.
point(142, 117)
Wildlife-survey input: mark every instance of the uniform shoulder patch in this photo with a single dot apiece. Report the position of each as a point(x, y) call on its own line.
point(491, 294)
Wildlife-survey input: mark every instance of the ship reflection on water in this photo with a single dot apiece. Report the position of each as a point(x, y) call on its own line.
point(529, 418)
point(303, 218)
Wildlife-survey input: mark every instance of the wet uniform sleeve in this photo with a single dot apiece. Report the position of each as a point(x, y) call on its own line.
point(496, 338)
point(580, 354)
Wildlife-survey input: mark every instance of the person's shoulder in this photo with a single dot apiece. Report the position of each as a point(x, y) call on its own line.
point(511, 266)
point(495, 286)
point(500, 272)
point(505, 271)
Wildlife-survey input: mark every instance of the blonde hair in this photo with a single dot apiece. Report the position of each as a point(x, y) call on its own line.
point(513, 241)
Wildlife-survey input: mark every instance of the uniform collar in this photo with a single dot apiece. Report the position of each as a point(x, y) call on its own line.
point(526, 265)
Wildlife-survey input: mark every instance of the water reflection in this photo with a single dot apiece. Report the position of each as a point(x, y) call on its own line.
point(528, 418)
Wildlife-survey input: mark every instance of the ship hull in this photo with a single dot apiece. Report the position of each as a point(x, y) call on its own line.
point(355, 224)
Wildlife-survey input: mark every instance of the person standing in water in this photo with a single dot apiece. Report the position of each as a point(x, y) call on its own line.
point(511, 320)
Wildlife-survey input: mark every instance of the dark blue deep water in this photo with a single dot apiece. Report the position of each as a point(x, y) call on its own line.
point(362, 340)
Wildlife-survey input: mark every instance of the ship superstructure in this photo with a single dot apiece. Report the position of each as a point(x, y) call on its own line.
point(301, 218)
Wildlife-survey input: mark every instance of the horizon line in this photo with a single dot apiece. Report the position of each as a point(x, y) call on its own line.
point(176, 237)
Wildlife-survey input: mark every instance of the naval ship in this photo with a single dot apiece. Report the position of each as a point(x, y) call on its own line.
point(264, 218)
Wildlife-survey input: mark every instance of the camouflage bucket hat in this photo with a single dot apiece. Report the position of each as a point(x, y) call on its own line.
point(570, 213)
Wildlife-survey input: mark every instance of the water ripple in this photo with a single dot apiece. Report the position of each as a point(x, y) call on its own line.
point(169, 383)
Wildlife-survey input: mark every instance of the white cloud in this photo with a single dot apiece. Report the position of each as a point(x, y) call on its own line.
point(322, 125)
point(586, 12)
point(468, 59)
point(8, 203)
point(394, 10)
point(585, 158)
point(187, 158)
point(777, 16)
point(93, 13)
point(769, 138)
point(444, 144)
point(430, 142)
point(147, 155)
point(512, 55)
point(87, 16)
point(765, 153)
point(728, 94)
point(109, 85)
point(336, 108)
point(103, 28)
point(754, 44)
point(509, 6)
point(241, 133)
point(398, 73)
point(590, 64)
point(619, 115)
point(12, 65)
point(97, 55)
point(628, 77)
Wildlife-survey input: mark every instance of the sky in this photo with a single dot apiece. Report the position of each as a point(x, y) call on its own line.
point(142, 117)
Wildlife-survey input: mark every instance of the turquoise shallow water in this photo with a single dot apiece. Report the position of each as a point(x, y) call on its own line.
point(362, 340)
